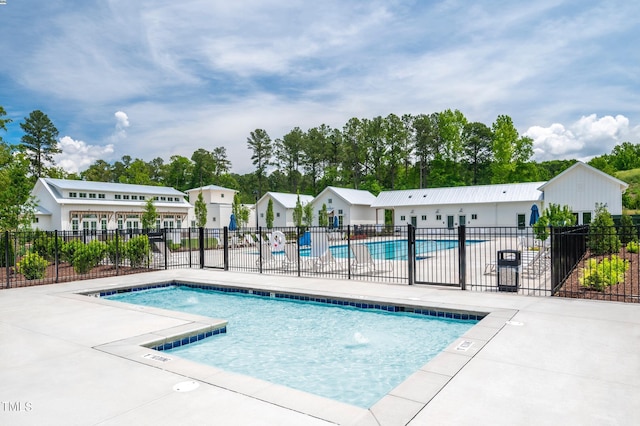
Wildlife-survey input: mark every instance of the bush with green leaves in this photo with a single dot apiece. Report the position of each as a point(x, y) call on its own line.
point(603, 238)
point(138, 251)
point(45, 245)
point(68, 250)
point(32, 266)
point(555, 216)
point(598, 275)
point(88, 256)
point(116, 252)
point(632, 246)
point(6, 254)
point(627, 231)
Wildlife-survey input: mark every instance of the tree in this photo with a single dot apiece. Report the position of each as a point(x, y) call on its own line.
point(307, 216)
point(628, 231)
point(149, 215)
point(178, 173)
point(298, 212)
point(323, 217)
point(476, 139)
point(269, 216)
point(39, 142)
point(603, 237)
point(426, 143)
point(556, 216)
point(17, 206)
point(260, 143)
point(3, 121)
point(239, 211)
point(200, 210)
point(100, 171)
point(505, 136)
point(288, 152)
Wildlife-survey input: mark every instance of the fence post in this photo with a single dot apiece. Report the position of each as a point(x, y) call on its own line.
point(189, 245)
point(201, 246)
point(260, 244)
point(225, 238)
point(411, 255)
point(56, 258)
point(6, 257)
point(349, 252)
point(462, 257)
point(117, 252)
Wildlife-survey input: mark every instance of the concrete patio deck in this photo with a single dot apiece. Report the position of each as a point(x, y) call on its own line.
point(68, 359)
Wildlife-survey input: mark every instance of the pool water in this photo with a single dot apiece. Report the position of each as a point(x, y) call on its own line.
point(394, 249)
point(347, 354)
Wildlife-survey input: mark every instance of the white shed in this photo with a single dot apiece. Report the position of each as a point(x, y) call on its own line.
point(581, 187)
point(350, 206)
point(283, 205)
point(219, 202)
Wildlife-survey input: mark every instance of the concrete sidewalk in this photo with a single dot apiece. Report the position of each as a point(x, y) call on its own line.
point(69, 359)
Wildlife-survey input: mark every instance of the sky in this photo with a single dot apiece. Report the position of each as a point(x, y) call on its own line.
point(160, 78)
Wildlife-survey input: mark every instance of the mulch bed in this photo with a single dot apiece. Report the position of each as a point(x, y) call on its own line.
point(66, 273)
point(628, 291)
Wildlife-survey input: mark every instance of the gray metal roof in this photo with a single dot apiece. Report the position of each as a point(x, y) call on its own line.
point(289, 200)
point(212, 188)
point(353, 196)
point(503, 193)
point(83, 185)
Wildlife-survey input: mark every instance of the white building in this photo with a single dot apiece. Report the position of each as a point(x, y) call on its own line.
point(219, 202)
point(580, 187)
point(283, 205)
point(73, 205)
point(481, 205)
point(350, 206)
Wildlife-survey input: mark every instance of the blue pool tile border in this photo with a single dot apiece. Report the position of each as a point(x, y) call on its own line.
point(182, 341)
point(432, 312)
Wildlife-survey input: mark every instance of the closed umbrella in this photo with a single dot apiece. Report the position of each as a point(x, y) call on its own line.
point(535, 215)
point(232, 223)
point(336, 223)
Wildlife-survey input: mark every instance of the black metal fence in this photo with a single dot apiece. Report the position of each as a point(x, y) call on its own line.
point(507, 259)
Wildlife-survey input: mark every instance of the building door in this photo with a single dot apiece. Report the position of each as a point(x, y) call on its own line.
point(414, 221)
point(450, 222)
point(522, 221)
point(462, 220)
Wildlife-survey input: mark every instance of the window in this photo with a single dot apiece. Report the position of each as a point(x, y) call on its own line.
point(141, 197)
point(163, 198)
point(125, 197)
point(83, 195)
point(101, 196)
point(134, 197)
point(193, 223)
point(330, 200)
point(214, 218)
point(261, 214)
point(177, 199)
point(221, 195)
point(74, 224)
point(73, 195)
point(340, 212)
point(118, 197)
point(169, 198)
point(522, 221)
point(586, 218)
point(424, 217)
point(155, 198)
point(278, 214)
point(474, 216)
point(178, 224)
point(438, 217)
point(37, 220)
point(92, 195)
point(158, 223)
point(403, 218)
point(120, 224)
point(103, 224)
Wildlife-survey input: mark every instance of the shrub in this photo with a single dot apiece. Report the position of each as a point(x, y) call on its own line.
point(32, 266)
point(627, 231)
point(115, 252)
point(4, 253)
point(598, 275)
point(45, 245)
point(602, 233)
point(138, 251)
point(87, 256)
point(632, 246)
point(68, 249)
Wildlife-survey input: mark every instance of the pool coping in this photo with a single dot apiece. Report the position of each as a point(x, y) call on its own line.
point(400, 405)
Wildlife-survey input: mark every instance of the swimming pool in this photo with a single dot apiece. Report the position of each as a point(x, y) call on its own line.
point(394, 249)
point(341, 352)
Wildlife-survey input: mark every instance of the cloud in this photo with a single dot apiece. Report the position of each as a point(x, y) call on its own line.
point(588, 137)
point(77, 156)
point(122, 122)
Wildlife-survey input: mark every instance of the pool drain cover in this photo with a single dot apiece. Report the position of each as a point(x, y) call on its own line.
point(186, 386)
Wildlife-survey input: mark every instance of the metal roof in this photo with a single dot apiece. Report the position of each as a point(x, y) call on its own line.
point(83, 185)
point(352, 196)
point(289, 201)
point(479, 194)
point(211, 188)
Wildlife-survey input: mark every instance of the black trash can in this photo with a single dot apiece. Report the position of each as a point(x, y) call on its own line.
point(509, 265)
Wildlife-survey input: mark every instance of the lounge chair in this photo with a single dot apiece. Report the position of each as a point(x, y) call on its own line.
point(291, 259)
point(248, 240)
point(321, 255)
point(267, 259)
point(363, 261)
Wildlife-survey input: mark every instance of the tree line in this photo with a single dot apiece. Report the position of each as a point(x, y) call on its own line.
point(380, 153)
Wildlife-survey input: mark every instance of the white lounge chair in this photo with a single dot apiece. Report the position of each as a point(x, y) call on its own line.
point(363, 261)
point(266, 257)
point(291, 259)
point(248, 240)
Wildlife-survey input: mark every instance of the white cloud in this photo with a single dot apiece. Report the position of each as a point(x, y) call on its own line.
point(77, 156)
point(588, 137)
point(122, 122)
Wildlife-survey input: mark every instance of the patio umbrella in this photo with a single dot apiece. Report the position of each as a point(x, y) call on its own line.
point(232, 223)
point(336, 223)
point(535, 215)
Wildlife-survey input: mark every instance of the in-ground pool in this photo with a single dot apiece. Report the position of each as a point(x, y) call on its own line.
point(394, 249)
point(349, 354)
